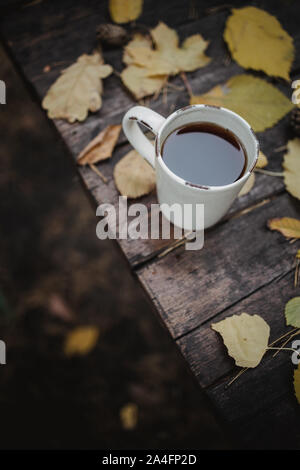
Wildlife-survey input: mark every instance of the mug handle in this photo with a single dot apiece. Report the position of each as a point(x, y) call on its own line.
point(148, 118)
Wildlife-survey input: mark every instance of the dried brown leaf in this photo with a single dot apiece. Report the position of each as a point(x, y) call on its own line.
point(288, 226)
point(101, 147)
point(133, 176)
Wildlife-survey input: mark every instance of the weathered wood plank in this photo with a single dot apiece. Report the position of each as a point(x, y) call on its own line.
point(203, 348)
point(239, 257)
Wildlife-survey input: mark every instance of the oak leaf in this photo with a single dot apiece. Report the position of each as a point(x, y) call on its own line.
point(165, 59)
point(292, 312)
point(81, 340)
point(256, 100)
point(133, 176)
point(245, 337)
point(288, 226)
point(101, 147)
point(291, 166)
point(78, 89)
point(123, 11)
point(257, 41)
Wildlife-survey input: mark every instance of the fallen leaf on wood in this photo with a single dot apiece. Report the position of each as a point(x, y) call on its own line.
point(291, 166)
point(256, 100)
point(262, 160)
point(78, 89)
point(288, 226)
point(297, 383)
point(133, 176)
point(112, 34)
point(101, 147)
point(248, 185)
point(154, 65)
point(257, 41)
point(123, 11)
point(292, 312)
point(129, 416)
point(81, 340)
point(245, 337)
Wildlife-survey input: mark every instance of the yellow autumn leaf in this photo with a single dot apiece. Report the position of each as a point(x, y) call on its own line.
point(81, 340)
point(297, 383)
point(292, 312)
point(291, 166)
point(262, 160)
point(155, 65)
point(245, 337)
point(288, 226)
point(129, 416)
point(248, 185)
point(123, 11)
point(78, 89)
point(101, 147)
point(257, 41)
point(133, 176)
point(256, 100)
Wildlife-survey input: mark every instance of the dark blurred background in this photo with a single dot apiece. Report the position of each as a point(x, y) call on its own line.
point(56, 275)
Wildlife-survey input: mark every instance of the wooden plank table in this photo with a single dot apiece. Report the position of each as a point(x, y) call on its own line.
point(243, 266)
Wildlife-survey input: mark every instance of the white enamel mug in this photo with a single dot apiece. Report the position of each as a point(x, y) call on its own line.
point(171, 188)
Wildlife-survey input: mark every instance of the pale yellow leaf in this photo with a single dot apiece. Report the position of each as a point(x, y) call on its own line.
point(262, 160)
point(165, 59)
point(245, 337)
point(101, 147)
point(256, 100)
point(248, 185)
point(257, 41)
point(291, 165)
point(123, 11)
point(133, 176)
point(297, 383)
point(129, 416)
point(288, 226)
point(78, 89)
point(292, 312)
point(81, 340)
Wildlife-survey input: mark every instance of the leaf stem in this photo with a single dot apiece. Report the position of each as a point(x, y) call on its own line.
point(98, 172)
point(269, 172)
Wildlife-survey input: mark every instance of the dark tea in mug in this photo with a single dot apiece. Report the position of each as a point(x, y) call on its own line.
point(205, 154)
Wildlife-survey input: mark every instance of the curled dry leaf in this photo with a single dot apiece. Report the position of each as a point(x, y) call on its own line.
point(123, 11)
point(154, 65)
point(297, 383)
point(288, 226)
point(248, 185)
point(245, 337)
point(257, 41)
point(112, 34)
point(129, 416)
point(256, 100)
point(78, 89)
point(291, 166)
point(81, 340)
point(292, 312)
point(101, 147)
point(133, 176)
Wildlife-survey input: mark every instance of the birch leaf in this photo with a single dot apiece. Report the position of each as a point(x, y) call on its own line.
point(123, 11)
point(78, 89)
point(133, 176)
point(257, 41)
point(81, 340)
point(245, 337)
point(297, 383)
point(101, 147)
point(288, 226)
point(164, 59)
point(292, 312)
point(256, 100)
point(291, 165)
